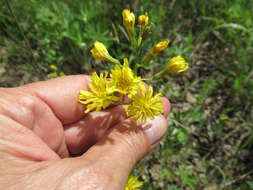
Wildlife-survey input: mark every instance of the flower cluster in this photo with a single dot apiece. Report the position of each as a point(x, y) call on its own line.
point(104, 91)
point(145, 105)
point(55, 72)
point(101, 93)
point(122, 85)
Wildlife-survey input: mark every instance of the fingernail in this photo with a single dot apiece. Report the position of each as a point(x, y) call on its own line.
point(166, 106)
point(155, 129)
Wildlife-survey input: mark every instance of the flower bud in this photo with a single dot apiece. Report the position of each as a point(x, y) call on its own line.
point(143, 21)
point(53, 67)
point(159, 47)
point(100, 52)
point(62, 74)
point(128, 20)
point(52, 75)
point(177, 65)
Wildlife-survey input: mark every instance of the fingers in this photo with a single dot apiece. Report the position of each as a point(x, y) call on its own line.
point(61, 94)
point(19, 141)
point(31, 112)
point(124, 145)
point(83, 134)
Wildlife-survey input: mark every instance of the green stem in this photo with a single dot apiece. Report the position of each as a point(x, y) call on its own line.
point(133, 41)
point(113, 60)
point(138, 51)
point(139, 39)
point(136, 67)
point(146, 60)
point(160, 74)
point(120, 103)
point(147, 79)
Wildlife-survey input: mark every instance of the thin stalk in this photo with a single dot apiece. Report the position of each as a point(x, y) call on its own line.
point(147, 59)
point(157, 76)
point(247, 80)
point(120, 103)
point(137, 52)
point(160, 74)
point(114, 61)
point(26, 41)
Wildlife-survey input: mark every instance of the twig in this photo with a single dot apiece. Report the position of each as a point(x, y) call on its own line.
point(246, 81)
point(26, 41)
point(236, 180)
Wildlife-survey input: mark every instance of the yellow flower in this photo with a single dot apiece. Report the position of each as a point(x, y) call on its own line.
point(143, 21)
point(124, 80)
point(53, 67)
point(177, 65)
point(159, 47)
point(101, 93)
point(144, 105)
point(100, 52)
point(52, 75)
point(128, 20)
point(133, 183)
point(62, 74)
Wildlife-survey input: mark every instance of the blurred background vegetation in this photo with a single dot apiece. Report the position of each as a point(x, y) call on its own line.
point(209, 144)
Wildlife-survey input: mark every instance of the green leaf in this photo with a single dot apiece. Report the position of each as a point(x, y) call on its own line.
point(250, 184)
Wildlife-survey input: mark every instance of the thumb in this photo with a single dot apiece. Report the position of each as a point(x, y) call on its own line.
point(124, 145)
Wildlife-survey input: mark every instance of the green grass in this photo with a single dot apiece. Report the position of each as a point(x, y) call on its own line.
point(210, 139)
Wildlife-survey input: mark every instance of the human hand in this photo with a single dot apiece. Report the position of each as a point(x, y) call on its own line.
point(42, 126)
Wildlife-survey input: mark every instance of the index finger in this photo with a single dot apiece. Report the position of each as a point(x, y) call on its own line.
point(61, 95)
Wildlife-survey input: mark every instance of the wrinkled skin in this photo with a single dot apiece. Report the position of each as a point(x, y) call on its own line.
point(46, 142)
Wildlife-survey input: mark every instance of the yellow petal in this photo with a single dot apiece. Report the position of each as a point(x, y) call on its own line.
point(128, 20)
point(177, 65)
point(143, 21)
point(159, 47)
point(99, 52)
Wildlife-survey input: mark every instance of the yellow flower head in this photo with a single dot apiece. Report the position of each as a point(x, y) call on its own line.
point(101, 93)
point(133, 183)
point(144, 105)
point(124, 80)
point(53, 67)
point(52, 75)
point(159, 47)
point(128, 20)
point(99, 52)
point(62, 74)
point(143, 21)
point(177, 65)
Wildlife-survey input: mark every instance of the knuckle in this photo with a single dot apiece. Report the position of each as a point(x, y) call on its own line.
point(28, 102)
point(18, 105)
